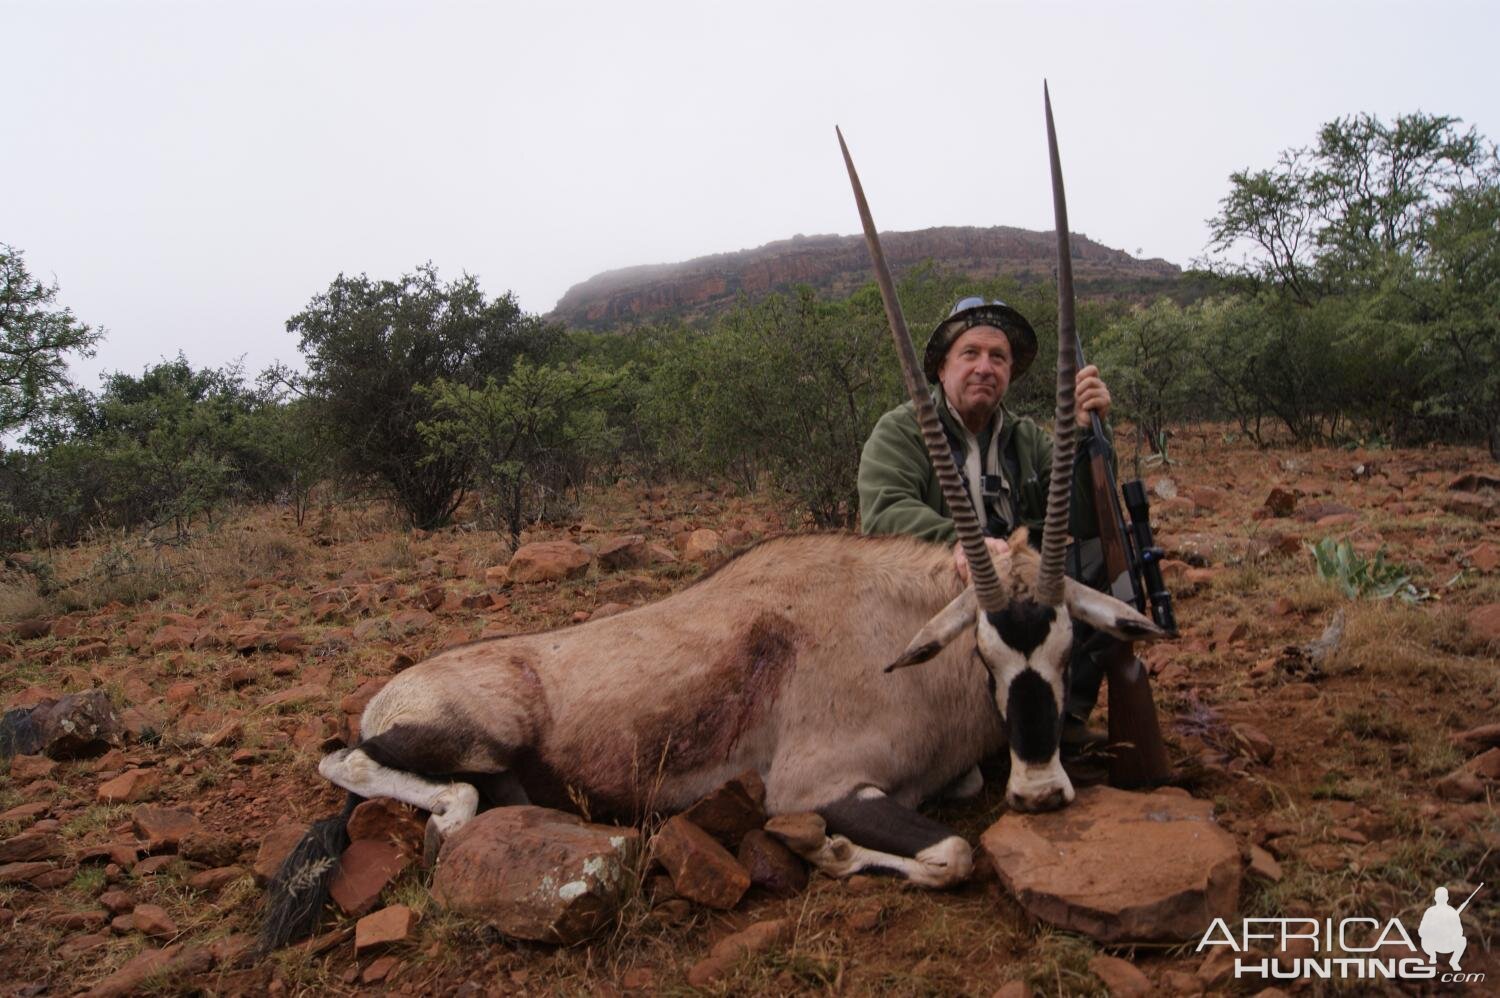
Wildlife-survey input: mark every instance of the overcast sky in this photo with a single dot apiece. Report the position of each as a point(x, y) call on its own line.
point(192, 173)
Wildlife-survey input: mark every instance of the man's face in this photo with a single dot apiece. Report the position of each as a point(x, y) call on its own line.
point(976, 371)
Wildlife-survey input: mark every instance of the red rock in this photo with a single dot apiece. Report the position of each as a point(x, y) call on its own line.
point(379, 969)
point(311, 733)
point(1281, 502)
point(91, 651)
point(548, 561)
point(386, 820)
point(166, 967)
point(638, 979)
point(289, 643)
point(1121, 977)
point(1484, 622)
point(709, 969)
point(274, 849)
point(237, 677)
point(209, 848)
point(432, 597)
point(754, 938)
point(229, 950)
point(23, 873)
point(182, 692)
point(356, 702)
point(701, 546)
point(772, 866)
point(31, 846)
point(79, 724)
point(701, 869)
point(52, 879)
point(116, 902)
point(1217, 968)
point(406, 622)
point(1483, 557)
point(121, 854)
point(365, 870)
point(628, 551)
point(385, 927)
point(1477, 507)
point(173, 638)
point(77, 921)
point(1264, 865)
point(803, 831)
point(32, 629)
point(1207, 497)
point(1253, 743)
point(130, 787)
point(1228, 632)
point(24, 768)
point(152, 865)
point(537, 874)
point(140, 719)
point(227, 734)
point(26, 812)
point(1474, 738)
point(153, 920)
point(295, 695)
point(732, 810)
point(1120, 866)
point(1460, 785)
point(163, 827)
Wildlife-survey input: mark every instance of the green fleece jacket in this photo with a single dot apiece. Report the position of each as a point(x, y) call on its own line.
point(899, 491)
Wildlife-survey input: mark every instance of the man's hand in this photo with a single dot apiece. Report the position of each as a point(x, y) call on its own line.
point(1092, 394)
point(999, 554)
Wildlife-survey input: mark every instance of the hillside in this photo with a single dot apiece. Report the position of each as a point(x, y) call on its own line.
point(837, 264)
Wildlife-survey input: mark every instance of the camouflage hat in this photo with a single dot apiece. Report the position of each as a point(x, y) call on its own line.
point(971, 312)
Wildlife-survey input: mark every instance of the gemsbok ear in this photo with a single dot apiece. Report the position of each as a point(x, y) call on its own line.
point(941, 629)
point(1105, 613)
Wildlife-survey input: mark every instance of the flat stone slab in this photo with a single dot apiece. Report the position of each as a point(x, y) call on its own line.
point(1120, 867)
point(538, 874)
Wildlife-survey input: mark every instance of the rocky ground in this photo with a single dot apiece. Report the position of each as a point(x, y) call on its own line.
point(1340, 741)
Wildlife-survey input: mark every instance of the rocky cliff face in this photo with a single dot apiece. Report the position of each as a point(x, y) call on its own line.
point(836, 264)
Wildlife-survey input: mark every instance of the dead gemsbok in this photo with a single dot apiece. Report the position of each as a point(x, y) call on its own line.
point(788, 660)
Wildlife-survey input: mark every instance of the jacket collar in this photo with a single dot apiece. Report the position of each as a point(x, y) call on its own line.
point(956, 430)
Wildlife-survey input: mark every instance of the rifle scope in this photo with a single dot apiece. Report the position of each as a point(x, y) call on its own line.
point(1139, 510)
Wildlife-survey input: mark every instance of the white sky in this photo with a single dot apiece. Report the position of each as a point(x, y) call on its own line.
point(192, 173)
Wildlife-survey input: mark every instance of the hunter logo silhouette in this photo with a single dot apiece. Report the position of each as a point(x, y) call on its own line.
point(1441, 930)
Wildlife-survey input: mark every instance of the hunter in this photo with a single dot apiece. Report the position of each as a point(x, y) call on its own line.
point(971, 360)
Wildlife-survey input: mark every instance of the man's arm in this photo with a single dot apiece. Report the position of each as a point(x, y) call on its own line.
point(894, 478)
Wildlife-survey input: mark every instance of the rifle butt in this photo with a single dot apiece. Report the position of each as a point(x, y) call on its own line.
point(1138, 758)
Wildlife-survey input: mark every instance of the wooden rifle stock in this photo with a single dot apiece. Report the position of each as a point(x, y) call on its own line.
point(1138, 758)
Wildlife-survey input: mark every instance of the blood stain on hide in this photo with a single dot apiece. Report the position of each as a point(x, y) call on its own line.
point(734, 695)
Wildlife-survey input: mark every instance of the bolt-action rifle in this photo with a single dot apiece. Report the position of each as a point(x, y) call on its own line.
point(1132, 564)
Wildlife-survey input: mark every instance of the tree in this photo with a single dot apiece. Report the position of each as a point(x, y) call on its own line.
point(528, 440)
point(370, 344)
point(35, 338)
point(1330, 218)
point(1151, 367)
point(1464, 287)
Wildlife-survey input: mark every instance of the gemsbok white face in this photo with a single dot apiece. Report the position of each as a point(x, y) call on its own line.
point(1025, 647)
